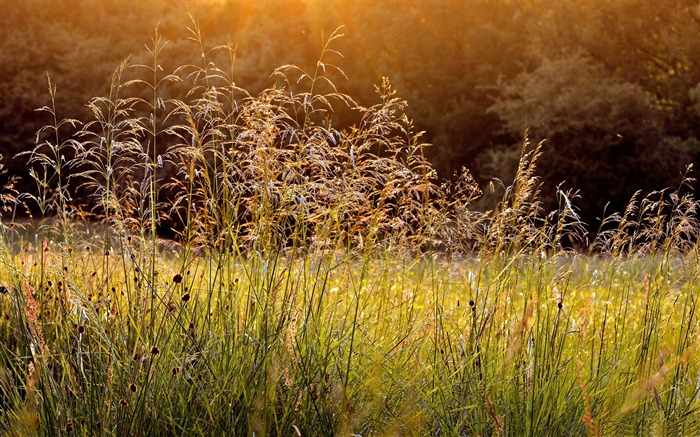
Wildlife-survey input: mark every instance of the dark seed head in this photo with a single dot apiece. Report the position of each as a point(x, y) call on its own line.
point(171, 307)
point(185, 297)
point(133, 388)
point(560, 305)
point(155, 350)
point(3, 290)
point(177, 278)
point(81, 329)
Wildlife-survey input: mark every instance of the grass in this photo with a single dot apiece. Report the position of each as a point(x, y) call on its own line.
point(321, 282)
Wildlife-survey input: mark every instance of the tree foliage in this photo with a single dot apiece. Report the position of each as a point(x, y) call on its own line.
point(601, 131)
point(612, 88)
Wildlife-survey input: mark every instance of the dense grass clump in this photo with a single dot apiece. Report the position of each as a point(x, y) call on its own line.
point(320, 282)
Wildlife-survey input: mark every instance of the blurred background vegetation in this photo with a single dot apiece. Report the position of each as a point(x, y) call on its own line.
point(614, 87)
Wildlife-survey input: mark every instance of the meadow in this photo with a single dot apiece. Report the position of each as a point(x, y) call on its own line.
point(320, 281)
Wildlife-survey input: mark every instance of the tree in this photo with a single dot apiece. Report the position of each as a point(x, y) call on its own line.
point(602, 133)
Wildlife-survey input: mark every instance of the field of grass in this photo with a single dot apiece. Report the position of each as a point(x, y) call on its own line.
point(321, 282)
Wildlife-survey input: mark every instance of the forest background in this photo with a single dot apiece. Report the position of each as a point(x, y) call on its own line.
point(613, 86)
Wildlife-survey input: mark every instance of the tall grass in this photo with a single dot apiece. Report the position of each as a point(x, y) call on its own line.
point(321, 282)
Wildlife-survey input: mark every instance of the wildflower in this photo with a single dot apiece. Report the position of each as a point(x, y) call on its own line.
point(288, 382)
point(33, 310)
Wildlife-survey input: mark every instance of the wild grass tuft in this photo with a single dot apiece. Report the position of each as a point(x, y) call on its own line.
point(319, 281)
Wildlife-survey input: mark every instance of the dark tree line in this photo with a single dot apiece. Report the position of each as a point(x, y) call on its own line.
point(613, 87)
